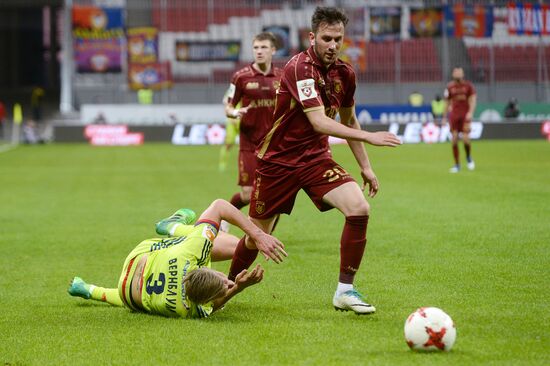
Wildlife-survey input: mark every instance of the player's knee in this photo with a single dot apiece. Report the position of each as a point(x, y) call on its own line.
point(359, 208)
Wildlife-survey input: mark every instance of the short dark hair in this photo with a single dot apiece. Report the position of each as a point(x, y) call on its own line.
point(267, 36)
point(328, 15)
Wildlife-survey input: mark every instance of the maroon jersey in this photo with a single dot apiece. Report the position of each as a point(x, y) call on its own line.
point(457, 94)
point(257, 91)
point(306, 85)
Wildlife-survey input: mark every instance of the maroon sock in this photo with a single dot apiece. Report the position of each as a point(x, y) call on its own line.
point(455, 153)
point(242, 259)
point(467, 148)
point(352, 246)
point(237, 201)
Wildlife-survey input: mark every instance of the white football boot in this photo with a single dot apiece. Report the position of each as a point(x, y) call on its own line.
point(471, 165)
point(352, 300)
point(454, 169)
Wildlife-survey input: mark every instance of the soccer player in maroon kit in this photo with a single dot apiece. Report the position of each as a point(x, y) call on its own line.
point(295, 154)
point(254, 87)
point(461, 100)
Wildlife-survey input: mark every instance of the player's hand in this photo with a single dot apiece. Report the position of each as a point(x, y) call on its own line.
point(383, 138)
point(246, 278)
point(369, 178)
point(271, 247)
point(241, 111)
point(468, 117)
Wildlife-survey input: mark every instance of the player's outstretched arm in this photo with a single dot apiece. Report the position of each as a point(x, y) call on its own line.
point(327, 126)
point(243, 280)
point(269, 245)
point(348, 118)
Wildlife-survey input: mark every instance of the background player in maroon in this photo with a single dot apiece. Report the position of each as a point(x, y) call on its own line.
point(254, 88)
point(295, 154)
point(461, 104)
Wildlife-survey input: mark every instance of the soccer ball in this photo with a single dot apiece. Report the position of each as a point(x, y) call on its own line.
point(430, 329)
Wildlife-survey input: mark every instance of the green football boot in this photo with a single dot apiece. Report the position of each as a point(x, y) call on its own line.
point(79, 288)
point(183, 216)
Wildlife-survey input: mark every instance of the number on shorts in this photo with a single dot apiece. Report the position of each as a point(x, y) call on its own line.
point(334, 174)
point(158, 285)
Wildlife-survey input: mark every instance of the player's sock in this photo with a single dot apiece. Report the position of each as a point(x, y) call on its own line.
point(183, 216)
point(352, 247)
point(108, 295)
point(343, 287)
point(455, 154)
point(181, 230)
point(223, 159)
point(468, 148)
point(242, 258)
point(237, 201)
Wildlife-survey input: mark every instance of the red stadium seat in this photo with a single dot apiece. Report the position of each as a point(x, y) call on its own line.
point(512, 62)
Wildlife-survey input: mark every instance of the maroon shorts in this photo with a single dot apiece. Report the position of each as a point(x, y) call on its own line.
point(459, 123)
point(247, 165)
point(276, 186)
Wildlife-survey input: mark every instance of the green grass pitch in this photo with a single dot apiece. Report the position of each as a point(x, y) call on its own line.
point(476, 244)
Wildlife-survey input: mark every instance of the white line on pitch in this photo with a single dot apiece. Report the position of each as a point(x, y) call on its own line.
point(7, 148)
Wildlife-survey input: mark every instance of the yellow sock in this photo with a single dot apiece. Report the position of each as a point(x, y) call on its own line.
point(181, 230)
point(223, 158)
point(108, 295)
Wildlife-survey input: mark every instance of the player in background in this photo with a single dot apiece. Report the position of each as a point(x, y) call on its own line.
point(461, 99)
point(295, 154)
point(172, 276)
point(231, 132)
point(254, 87)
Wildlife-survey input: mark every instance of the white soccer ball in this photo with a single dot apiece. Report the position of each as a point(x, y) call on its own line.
point(430, 329)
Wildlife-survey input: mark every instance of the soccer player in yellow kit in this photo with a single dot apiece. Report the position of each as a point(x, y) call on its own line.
point(172, 276)
point(231, 132)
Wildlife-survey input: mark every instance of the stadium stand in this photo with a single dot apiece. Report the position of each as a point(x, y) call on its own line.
point(418, 61)
point(198, 15)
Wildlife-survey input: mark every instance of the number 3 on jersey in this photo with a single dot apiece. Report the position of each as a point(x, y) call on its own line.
point(157, 287)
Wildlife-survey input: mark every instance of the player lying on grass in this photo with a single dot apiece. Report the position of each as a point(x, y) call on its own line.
point(172, 276)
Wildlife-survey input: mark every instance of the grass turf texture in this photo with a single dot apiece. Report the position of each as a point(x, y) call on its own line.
point(475, 244)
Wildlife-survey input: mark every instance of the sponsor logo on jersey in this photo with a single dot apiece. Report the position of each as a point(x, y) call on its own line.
point(252, 85)
point(262, 103)
point(306, 89)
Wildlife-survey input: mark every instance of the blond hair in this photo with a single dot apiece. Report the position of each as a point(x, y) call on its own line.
point(203, 285)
